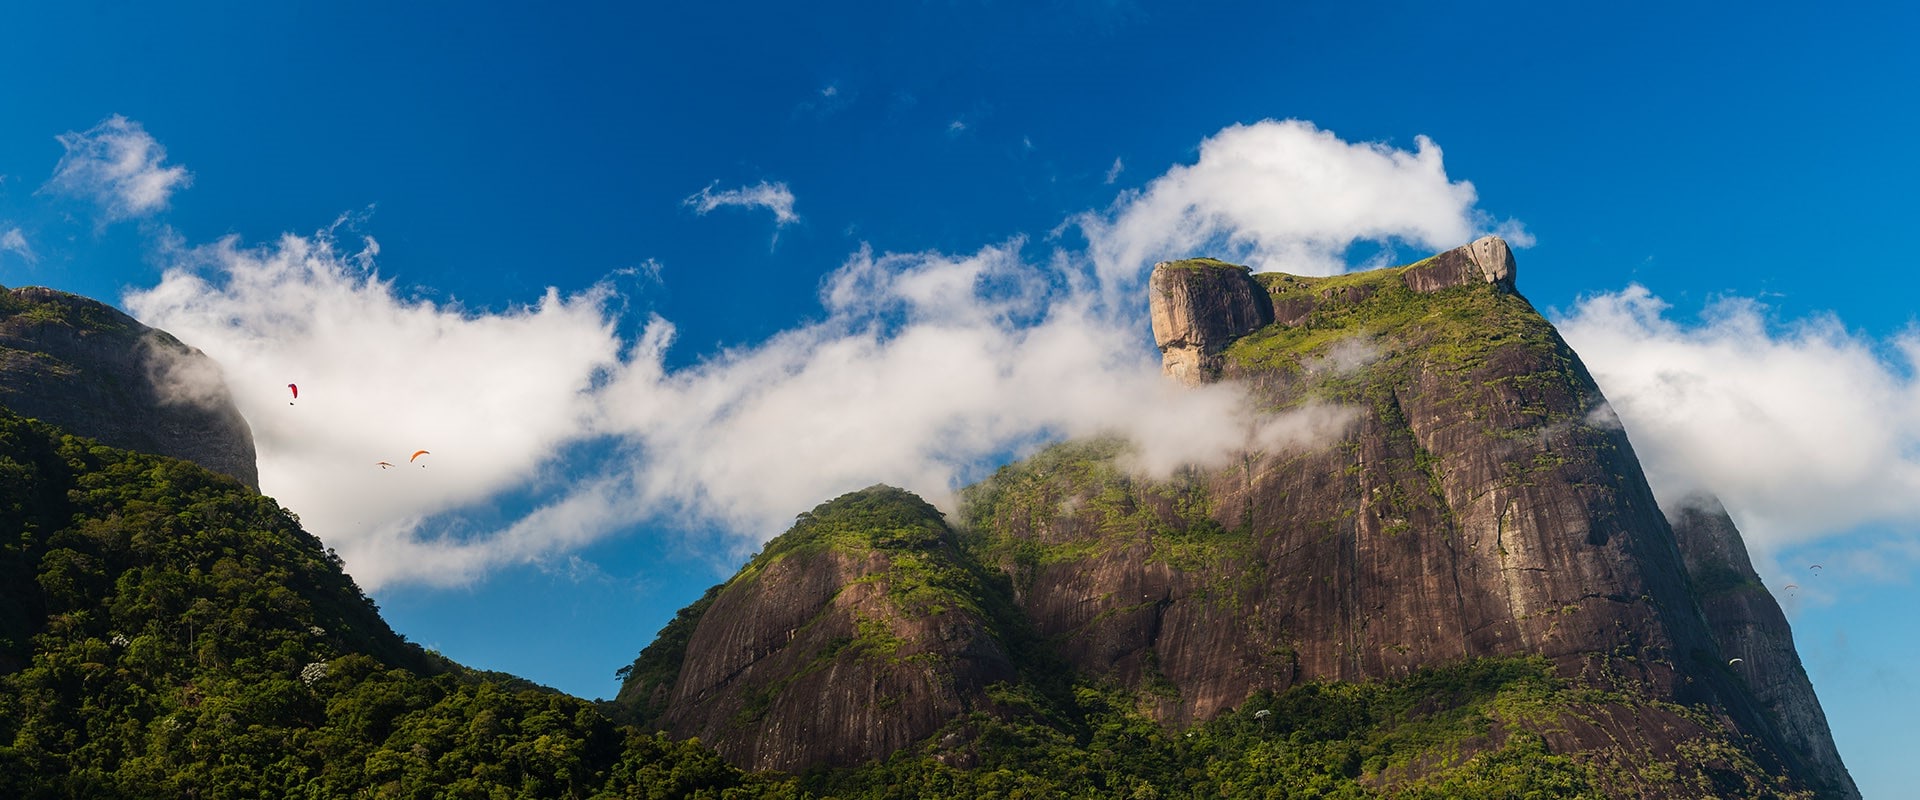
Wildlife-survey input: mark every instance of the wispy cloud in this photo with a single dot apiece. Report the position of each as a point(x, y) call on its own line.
point(1113, 172)
point(922, 370)
point(120, 167)
point(774, 197)
point(1804, 430)
point(12, 240)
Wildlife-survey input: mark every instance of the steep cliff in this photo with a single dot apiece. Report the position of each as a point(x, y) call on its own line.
point(84, 366)
point(1476, 508)
point(863, 629)
point(1747, 623)
point(1199, 306)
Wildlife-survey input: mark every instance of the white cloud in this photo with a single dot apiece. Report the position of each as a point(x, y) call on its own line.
point(1113, 172)
point(1288, 196)
point(1804, 431)
point(970, 369)
point(118, 165)
point(925, 369)
point(493, 395)
point(15, 242)
point(775, 197)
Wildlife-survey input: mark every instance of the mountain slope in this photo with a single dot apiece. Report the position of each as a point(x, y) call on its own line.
point(170, 633)
point(862, 630)
point(1481, 504)
point(82, 365)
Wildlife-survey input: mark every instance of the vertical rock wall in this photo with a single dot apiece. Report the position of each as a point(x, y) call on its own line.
point(1199, 306)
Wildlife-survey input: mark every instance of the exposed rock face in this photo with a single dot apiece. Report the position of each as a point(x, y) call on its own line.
point(1199, 306)
point(96, 372)
point(1486, 260)
point(853, 635)
point(1747, 623)
point(1471, 509)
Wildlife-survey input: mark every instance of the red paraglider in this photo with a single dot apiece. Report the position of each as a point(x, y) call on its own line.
point(296, 392)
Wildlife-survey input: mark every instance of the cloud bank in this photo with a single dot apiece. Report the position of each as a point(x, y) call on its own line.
point(923, 371)
point(119, 166)
point(1804, 431)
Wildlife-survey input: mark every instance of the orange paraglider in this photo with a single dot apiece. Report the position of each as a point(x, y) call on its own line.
point(417, 454)
point(382, 464)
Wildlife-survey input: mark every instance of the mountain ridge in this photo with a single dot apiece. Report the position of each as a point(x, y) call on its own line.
point(1468, 591)
point(1482, 505)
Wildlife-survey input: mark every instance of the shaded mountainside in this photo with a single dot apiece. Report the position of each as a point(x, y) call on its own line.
point(1747, 623)
point(84, 366)
point(1482, 505)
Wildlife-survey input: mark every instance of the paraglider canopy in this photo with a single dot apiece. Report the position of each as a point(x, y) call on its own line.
point(1733, 661)
point(295, 389)
point(382, 464)
point(417, 454)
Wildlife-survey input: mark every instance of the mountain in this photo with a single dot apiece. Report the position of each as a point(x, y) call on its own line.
point(1456, 583)
point(1482, 513)
point(165, 631)
point(88, 368)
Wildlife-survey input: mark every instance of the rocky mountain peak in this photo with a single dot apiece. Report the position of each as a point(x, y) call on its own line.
point(1473, 512)
point(1487, 259)
point(88, 368)
point(1199, 306)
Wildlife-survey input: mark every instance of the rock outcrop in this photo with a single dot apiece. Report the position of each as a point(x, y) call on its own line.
point(90, 369)
point(1747, 623)
point(1485, 260)
point(1199, 306)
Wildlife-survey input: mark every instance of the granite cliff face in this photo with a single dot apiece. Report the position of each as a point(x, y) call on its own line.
point(1479, 506)
point(90, 369)
point(859, 632)
point(1199, 307)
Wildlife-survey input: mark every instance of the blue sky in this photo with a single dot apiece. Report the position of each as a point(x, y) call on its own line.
point(629, 271)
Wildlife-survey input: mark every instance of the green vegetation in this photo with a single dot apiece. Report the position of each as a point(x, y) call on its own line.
point(1459, 327)
point(58, 308)
point(1320, 740)
point(1203, 263)
point(171, 634)
point(1077, 500)
point(166, 632)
